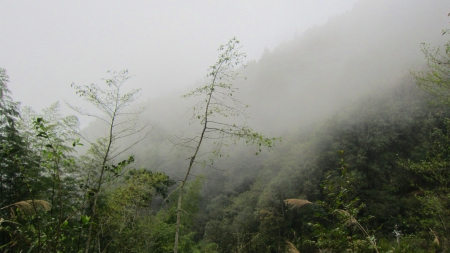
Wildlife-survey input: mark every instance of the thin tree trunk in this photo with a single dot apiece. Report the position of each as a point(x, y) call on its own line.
point(175, 249)
point(111, 102)
point(192, 160)
point(105, 159)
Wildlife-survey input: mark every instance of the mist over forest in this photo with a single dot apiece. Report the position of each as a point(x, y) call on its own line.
point(340, 144)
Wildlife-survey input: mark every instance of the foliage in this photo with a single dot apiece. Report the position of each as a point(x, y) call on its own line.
point(432, 182)
point(13, 153)
point(127, 215)
point(343, 231)
point(436, 78)
point(48, 139)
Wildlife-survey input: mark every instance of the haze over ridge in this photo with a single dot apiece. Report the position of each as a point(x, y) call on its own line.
point(305, 80)
point(363, 51)
point(166, 45)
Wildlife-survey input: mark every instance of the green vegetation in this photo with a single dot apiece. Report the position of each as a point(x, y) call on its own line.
point(372, 177)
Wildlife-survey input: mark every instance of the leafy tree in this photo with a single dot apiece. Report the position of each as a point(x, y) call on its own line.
point(344, 231)
point(42, 160)
point(127, 216)
point(12, 149)
point(436, 78)
point(433, 184)
point(218, 104)
point(432, 173)
point(158, 230)
point(57, 161)
point(18, 168)
point(113, 104)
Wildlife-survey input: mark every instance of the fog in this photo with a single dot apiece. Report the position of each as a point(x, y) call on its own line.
point(365, 51)
point(305, 62)
point(47, 45)
point(340, 126)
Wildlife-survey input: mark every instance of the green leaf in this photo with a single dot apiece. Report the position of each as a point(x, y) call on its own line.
point(85, 219)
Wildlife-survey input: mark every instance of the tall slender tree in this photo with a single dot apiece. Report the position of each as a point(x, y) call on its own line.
point(113, 104)
point(214, 112)
point(20, 178)
point(11, 146)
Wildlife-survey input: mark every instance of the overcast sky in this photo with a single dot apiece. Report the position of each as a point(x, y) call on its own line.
point(47, 45)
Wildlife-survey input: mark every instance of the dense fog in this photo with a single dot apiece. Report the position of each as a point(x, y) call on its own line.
point(340, 143)
point(363, 52)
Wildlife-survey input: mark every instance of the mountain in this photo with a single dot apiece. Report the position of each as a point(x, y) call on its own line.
point(361, 165)
point(365, 51)
point(362, 51)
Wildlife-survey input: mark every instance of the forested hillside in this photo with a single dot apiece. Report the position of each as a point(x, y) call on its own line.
point(340, 144)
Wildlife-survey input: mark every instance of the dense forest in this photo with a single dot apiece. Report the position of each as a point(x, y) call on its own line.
point(336, 141)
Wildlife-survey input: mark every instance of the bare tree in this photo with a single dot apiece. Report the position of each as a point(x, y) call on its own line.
point(217, 114)
point(121, 123)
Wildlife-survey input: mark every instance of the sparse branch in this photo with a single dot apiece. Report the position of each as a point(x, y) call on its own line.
point(131, 133)
point(85, 113)
point(127, 148)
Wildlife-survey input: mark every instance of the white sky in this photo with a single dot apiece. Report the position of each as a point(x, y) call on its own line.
point(46, 45)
